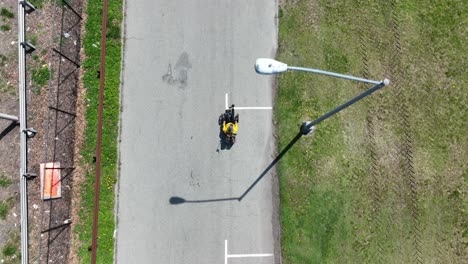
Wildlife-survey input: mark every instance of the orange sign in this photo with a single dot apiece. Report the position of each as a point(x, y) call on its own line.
point(51, 186)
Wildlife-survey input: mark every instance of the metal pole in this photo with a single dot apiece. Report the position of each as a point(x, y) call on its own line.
point(348, 77)
point(23, 142)
point(9, 117)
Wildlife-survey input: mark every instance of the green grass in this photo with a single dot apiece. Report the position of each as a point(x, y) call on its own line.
point(6, 15)
point(3, 60)
point(10, 253)
point(110, 128)
point(4, 181)
point(41, 76)
point(9, 250)
point(7, 88)
point(5, 27)
point(33, 40)
point(39, 3)
point(330, 210)
point(4, 12)
point(5, 207)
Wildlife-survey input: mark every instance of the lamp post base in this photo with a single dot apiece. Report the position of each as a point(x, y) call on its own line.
point(305, 129)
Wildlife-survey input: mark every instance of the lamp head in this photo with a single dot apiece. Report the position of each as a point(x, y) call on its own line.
point(269, 66)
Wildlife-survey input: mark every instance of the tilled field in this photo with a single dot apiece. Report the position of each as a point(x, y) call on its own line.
point(384, 181)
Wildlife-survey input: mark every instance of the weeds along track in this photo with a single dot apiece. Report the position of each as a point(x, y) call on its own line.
point(406, 145)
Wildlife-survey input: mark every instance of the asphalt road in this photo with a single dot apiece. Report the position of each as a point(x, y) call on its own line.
point(180, 59)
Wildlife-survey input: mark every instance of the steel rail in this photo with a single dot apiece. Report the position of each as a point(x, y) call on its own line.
point(23, 139)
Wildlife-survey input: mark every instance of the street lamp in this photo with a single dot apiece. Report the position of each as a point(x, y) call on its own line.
point(270, 66)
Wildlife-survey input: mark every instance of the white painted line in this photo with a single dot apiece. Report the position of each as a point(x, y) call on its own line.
point(226, 255)
point(247, 107)
point(249, 255)
point(227, 102)
point(254, 108)
point(225, 252)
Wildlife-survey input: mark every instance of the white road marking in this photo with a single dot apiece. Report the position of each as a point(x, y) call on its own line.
point(248, 255)
point(225, 248)
point(226, 255)
point(254, 108)
point(227, 102)
point(247, 107)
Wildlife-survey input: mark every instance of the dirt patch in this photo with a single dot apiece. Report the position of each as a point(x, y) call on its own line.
point(80, 172)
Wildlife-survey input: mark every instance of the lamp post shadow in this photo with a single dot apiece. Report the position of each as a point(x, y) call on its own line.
point(306, 128)
point(174, 200)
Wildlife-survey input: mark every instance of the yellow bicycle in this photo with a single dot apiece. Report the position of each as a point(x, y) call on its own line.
point(229, 123)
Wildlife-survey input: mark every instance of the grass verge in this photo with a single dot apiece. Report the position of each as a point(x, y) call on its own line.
point(5, 181)
point(40, 76)
point(5, 27)
point(10, 252)
point(5, 12)
point(5, 207)
point(345, 194)
point(91, 66)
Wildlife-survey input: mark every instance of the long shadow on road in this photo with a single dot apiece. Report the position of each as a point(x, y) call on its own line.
point(305, 129)
point(179, 200)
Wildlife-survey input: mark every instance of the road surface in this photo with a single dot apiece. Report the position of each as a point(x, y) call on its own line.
point(181, 58)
